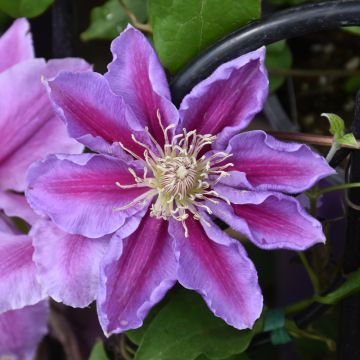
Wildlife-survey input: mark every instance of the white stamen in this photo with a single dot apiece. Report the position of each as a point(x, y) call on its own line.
point(178, 175)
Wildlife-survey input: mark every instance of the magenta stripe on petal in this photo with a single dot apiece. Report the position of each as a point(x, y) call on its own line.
point(272, 220)
point(227, 100)
point(136, 273)
point(269, 164)
point(220, 271)
point(137, 75)
point(94, 115)
point(79, 193)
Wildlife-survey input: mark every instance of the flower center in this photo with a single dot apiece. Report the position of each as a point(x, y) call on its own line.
point(177, 176)
point(182, 177)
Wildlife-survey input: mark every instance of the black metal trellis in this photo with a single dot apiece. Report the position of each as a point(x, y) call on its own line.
point(286, 24)
point(63, 28)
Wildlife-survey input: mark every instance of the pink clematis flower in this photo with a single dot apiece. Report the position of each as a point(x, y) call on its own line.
point(159, 177)
point(21, 329)
point(29, 131)
point(28, 126)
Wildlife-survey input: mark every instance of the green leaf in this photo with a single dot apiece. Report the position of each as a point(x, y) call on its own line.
point(337, 128)
point(350, 286)
point(24, 8)
point(352, 84)
point(235, 357)
point(108, 20)
point(353, 29)
point(137, 335)
point(3, 19)
point(337, 125)
point(185, 328)
point(98, 352)
point(278, 57)
point(182, 28)
point(348, 139)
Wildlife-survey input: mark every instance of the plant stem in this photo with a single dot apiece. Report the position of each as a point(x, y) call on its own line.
point(313, 206)
point(294, 331)
point(312, 276)
point(299, 306)
point(134, 20)
point(123, 348)
point(334, 148)
point(337, 187)
point(311, 139)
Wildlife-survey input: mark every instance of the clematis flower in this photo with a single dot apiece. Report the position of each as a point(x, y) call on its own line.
point(29, 128)
point(158, 177)
point(29, 131)
point(22, 329)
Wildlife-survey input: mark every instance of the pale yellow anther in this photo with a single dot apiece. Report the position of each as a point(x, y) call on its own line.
point(178, 172)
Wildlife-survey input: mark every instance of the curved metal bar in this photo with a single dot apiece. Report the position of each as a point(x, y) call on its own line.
point(286, 24)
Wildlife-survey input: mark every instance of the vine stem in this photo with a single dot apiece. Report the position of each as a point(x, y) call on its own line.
point(333, 149)
point(299, 306)
point(134, 20)
point(313, 278)
point(294, 331)
point(312, 139)
point(123, 348)
point(337, 187)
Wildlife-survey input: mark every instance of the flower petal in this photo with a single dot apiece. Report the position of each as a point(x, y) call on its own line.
point(227, 100)
point(68, 265)
point(21, 330)
point(86, 184)
point(136, 273)
point(6, 225)
point(270, 220)
point(54, 67)
point(269, 164)
point(219, 270)
point(15, 205)
point(94, 115)
point(18, 284)
point(29, 127)
point(16, 44)
point(137, 75)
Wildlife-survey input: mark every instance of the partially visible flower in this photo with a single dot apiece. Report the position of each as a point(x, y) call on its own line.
point(21, 330)
point(29, 130)
point(158, 178)
point(29, 127)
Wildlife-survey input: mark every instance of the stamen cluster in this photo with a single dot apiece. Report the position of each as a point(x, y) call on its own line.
point(181, 176)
